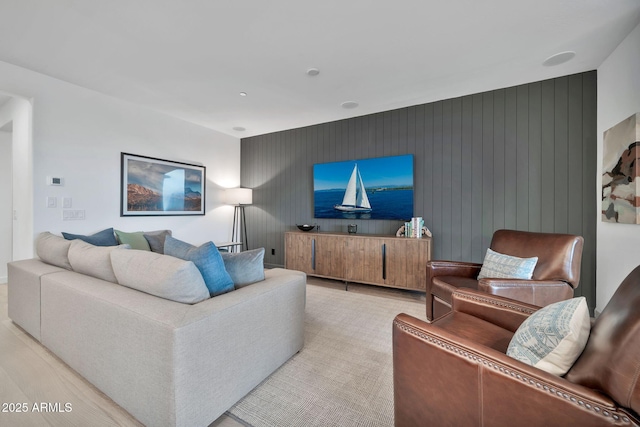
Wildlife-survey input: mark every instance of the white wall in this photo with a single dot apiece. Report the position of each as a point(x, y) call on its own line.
point(79, 134)
point(618, 247)
point(18, 111)
point(6, 206)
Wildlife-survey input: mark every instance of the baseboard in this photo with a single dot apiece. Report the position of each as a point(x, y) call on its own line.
point(3, 279)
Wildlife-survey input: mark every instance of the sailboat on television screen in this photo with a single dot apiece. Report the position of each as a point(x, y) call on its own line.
point(355, 196)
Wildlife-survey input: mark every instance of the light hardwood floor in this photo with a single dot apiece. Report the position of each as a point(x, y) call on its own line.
point(31, 374)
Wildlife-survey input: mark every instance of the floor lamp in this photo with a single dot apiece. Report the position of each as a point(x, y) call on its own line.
point(239, 197)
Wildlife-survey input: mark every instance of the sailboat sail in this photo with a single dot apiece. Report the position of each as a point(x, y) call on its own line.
point(355, 196)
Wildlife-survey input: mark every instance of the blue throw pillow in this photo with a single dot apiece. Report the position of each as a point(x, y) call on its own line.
point(207, 259)
point(101, 238)
point(245, 267)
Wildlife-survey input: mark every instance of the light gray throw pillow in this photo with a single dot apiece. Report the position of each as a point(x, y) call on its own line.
point(160, 275)
point(53, 250)
point(244, 268)
point(94, 261)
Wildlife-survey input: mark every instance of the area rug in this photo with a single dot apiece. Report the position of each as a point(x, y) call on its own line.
point(343, 376)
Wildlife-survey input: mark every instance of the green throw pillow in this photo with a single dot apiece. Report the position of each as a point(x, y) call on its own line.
point(136, 240)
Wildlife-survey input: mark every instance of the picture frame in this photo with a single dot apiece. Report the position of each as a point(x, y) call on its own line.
point(156, 187)
point(374, 188)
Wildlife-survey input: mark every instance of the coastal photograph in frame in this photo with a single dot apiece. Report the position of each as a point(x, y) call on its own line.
point(151, 187)
point(377, 188)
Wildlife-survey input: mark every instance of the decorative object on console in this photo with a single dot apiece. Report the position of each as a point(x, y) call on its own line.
point(402, 232)
point(208, 260)
point(101, 238)
point(239, 197)
point(379, 188)
point(352, 228)
point(621, 172)
point(151, 186)
point(306, 227)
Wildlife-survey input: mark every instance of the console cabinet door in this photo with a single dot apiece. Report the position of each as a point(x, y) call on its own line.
point(329, 255)
point(298, 252)
point(363, 260)
point(406, 263)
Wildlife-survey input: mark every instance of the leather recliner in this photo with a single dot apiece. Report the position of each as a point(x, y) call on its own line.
point(556, 275)
point(455, 371)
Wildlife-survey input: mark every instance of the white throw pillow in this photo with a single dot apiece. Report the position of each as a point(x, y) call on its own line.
point(501, 266)
point(94, 261)
point(160, 275)
point(553, 337)
point(53, 249)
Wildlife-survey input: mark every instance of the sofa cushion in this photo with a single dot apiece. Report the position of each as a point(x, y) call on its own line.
point(160, 275)
point(208, 260)
point(53, 250)
point(245, 267)
point(156, 239)
point(94, 261)
point(134, 239)
point(101, 238)
point(553, 337)
point(501, 266)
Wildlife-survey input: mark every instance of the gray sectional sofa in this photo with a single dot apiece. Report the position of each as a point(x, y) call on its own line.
point(165, 362)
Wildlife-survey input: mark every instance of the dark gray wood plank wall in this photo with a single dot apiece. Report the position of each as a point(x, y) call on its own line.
point(521, 158)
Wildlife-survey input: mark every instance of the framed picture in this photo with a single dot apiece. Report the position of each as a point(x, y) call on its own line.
point(152, 187)
point(379, 188)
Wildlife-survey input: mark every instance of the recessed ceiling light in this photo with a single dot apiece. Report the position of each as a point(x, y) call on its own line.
point(559, 58)
point(243, 93)
point(312, 72)
point(239, 128)
point(349, 104)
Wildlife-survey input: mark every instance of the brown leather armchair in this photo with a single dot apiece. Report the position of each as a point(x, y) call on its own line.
point(454, 371)
point(556, 275)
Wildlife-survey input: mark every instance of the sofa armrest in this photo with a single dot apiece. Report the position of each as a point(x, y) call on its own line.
point(449, 380)
point(453, 268)
point(504, 312)
point(536, 292)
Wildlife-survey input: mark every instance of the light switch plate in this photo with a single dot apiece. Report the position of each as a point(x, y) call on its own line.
point(66, 202)
point(52, 202)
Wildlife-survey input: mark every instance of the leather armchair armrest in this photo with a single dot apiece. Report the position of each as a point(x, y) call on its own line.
point(504, 312)
point(536, 292)
point(449, 380)
point(453, 268)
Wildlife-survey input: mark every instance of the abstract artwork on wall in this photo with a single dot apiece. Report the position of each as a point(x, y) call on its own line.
point(621, 172)
point(160, 187)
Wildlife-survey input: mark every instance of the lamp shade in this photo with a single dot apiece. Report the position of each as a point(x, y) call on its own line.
point(238, 196)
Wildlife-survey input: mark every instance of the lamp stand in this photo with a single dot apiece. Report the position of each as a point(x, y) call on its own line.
point(239, 221)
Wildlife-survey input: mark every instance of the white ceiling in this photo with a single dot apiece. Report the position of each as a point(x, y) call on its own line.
point(192, 58)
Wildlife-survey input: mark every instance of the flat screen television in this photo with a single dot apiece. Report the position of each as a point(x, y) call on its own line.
point(379, 188)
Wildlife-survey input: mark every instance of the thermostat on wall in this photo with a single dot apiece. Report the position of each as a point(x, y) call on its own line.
point(55, 180)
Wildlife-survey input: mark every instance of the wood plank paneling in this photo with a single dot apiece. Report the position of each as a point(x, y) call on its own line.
point(522, 158)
